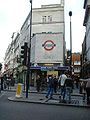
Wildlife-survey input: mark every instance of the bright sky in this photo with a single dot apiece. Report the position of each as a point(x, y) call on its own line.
point(14, 12)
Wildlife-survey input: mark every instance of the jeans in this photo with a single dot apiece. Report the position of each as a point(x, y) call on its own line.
point(63, 91)
point(50, 92)
point(68, 93)
point(88, 95)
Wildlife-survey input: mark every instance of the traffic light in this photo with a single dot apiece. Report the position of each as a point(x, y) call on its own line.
point(24, 50)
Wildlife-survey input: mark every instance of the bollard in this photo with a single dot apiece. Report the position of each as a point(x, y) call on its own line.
point(19, 90)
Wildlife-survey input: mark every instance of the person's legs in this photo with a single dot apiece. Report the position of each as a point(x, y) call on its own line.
point(51, 92)
point(87, 91)
point(68, 92)
point(64, 92)
point(61, 90)
point(55, 89)
point(49, 89)
point(37, 88)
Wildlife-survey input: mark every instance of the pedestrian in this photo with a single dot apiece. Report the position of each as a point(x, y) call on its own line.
point(8, 81)
point(88, 91)
point(62, 79)
point(12, 80)
point(77, 82)
point(81, 87)
point(1, 82)
point(55, 83)
point(50, 86)
point(84, 90)
point(69, 88)
point(0, 85)
point(43, 83)
point(38, 83)
point(4, 81)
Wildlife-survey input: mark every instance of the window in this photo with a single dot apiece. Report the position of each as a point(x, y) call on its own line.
point(46, 19)
point(49, 18)
point(43, 19)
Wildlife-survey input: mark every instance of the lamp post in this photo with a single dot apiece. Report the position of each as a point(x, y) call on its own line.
point(29, 51)
point(70, 14)
point(12, 50)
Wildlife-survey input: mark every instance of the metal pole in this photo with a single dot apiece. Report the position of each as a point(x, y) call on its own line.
point(29, 51)
point(70, 14)
point(13, 53)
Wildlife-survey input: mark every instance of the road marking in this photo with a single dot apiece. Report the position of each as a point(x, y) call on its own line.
point(2, 94)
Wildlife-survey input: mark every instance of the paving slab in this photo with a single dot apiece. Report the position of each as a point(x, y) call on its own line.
point(40, 99)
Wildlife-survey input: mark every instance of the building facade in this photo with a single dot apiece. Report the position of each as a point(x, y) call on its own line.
point(47, 20)
point(86, 42)
point(11, 55)
point(76, 63)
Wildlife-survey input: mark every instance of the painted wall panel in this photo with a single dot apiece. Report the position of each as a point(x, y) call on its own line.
point(48, 48)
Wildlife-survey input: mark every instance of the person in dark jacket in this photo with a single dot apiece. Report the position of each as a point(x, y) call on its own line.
point(69, 87)
point(1, 83)
point(50, 87)
point(38, 83)
point(88, 91)
point(55, 83)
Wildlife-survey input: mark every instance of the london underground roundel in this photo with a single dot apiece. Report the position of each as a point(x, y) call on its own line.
point(48, 45)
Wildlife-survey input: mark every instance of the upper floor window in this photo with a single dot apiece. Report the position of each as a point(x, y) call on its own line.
point(46, 19)
point(43, 19)
point(50, 18)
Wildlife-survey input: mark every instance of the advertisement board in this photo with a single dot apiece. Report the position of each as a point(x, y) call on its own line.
point(48, 48)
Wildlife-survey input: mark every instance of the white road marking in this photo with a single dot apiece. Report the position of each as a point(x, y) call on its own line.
point(2, 94)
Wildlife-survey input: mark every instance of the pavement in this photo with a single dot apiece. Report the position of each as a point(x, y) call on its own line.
point(39, 98)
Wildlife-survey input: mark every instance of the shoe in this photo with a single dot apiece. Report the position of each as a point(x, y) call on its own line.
point(51, 97)
point(88, 102)
point(64, 101)
point(46, 96)
point(60, 97)
point(69, 102)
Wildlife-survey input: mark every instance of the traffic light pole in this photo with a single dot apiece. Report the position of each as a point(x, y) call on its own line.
point(28, 71)
point(29, 51)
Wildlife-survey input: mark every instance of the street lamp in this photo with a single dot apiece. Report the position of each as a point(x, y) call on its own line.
point(29, 51)
point(70, 14)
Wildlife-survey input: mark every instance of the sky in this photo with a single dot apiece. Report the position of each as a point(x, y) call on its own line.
point(14, 12)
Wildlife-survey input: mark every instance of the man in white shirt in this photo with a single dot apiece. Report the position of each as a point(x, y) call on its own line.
point(62, 80)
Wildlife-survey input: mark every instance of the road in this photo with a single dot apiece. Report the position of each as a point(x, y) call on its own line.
point(10, 110)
